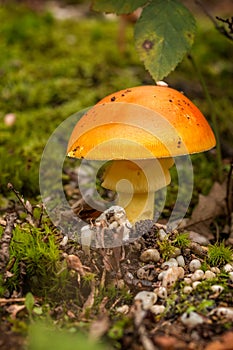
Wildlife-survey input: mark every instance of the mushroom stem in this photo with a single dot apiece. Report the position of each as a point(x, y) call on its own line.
point(138, 206)
point(136, 183)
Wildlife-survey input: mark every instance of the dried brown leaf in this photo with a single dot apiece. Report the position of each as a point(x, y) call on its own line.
point(208, 208)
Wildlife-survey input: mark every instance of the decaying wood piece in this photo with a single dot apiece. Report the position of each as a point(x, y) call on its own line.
point(5, 242)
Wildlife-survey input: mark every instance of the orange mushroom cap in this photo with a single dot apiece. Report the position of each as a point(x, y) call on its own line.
point(141, 122)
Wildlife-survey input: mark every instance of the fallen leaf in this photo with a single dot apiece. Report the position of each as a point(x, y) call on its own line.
point(207, 209)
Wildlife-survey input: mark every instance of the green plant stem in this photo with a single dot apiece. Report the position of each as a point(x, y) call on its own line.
point(213, 116)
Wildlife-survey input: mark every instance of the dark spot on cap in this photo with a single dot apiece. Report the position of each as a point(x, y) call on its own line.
point(122, 95)
point(179, 143)
point(113, 98)
point(147, 45)
point(170, 101)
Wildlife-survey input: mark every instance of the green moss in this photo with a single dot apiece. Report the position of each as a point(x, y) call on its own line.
point(182, 240)
point(49, 71)
point(219, 254)
point(36, 264)
point(166, 248)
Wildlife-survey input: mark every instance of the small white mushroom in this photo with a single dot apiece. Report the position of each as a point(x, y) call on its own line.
point(171, 262)
point(157, 309)
point(147, 298)
point(187, 289)
point(150, 255)
point(180, 260)
point(217, 288)
point(209, 275)
point(194, 265)
point(228, 268)
point(197, 275)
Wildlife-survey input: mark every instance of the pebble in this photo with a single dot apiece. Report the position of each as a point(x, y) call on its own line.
point(197, 275)
point(171, 262)
point(161, 292)
point(161, 275)
point(124, 309)
point(172, 275)
point(221, 311)
point(187, 289)
point(162, 235)
point(148, 299)
point(150, 255)
point(191, 319)
point(228, 268)
point(215, 269)
point(231, 276)
point(177, 252)
point(187, 280)
point(157, 309)
point(209, 275)
point(145, 273)
point(198, 238)
point(180, 260)
point(195, 284)
point(217, 288)
point(194, 265)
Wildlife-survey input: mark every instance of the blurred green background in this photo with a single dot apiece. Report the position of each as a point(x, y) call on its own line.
point(52, 67)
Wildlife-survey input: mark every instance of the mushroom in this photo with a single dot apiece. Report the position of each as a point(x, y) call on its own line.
point(140, 129)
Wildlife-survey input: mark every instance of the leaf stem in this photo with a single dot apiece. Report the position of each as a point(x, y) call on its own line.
point(212, 114)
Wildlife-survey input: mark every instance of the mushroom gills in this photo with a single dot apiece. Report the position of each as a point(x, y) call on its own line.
point(136, 182)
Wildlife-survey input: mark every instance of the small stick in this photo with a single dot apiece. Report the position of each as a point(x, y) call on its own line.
point(230, 194)
point(11, 187)
point(12, 300)
point(221, 29)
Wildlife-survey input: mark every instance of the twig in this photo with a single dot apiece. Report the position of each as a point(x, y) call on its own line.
point(11, 187)
point(221, 29)
point(228, 21)
point(230, 194)
point(90, 300)
point(5, 241)
point(193, 223)
point(12, 300)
